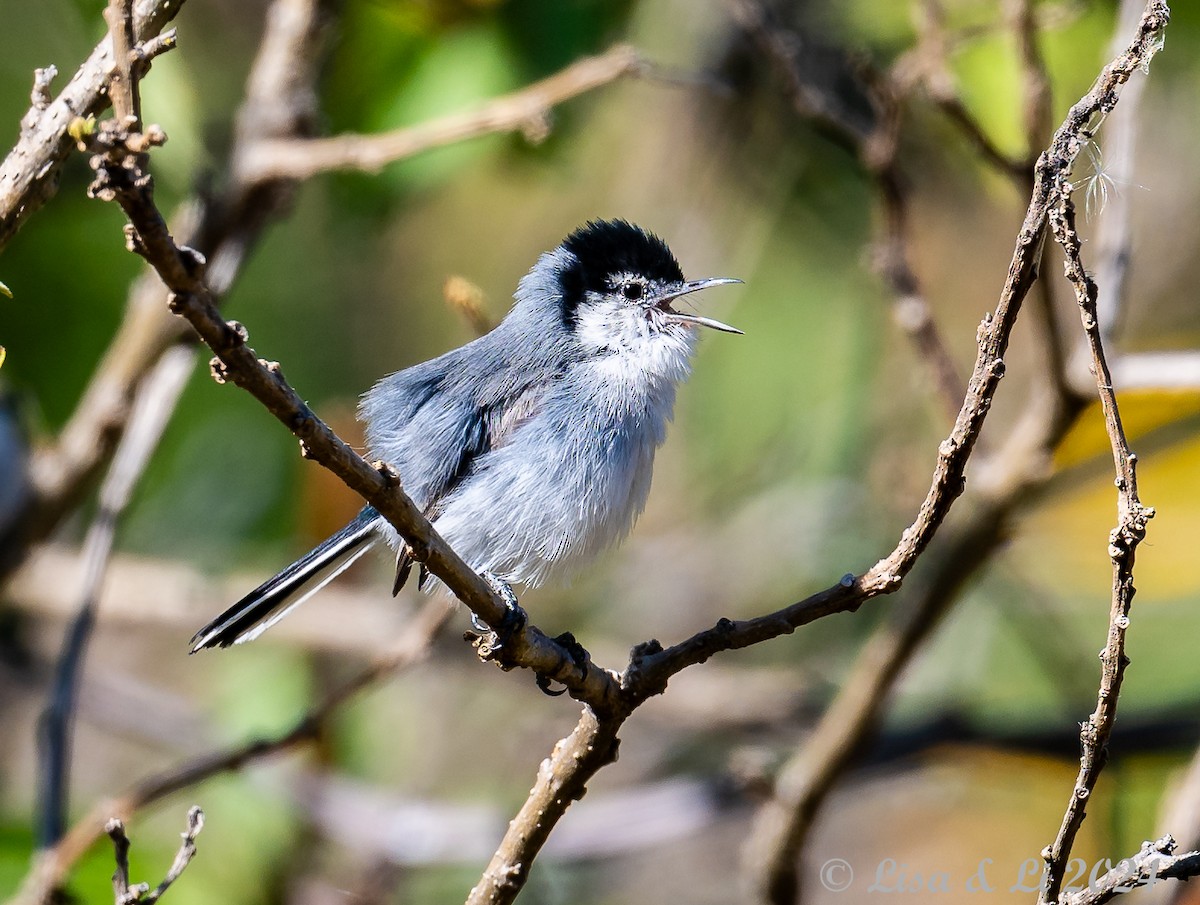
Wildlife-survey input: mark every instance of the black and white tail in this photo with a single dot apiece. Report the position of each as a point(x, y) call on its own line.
point(275, 598)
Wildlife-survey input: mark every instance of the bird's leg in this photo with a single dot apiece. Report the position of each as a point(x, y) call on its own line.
point(579, 656)
point(489, 642)
point(514, 617)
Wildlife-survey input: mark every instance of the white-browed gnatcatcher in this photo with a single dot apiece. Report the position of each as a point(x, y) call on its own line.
point(530, 448)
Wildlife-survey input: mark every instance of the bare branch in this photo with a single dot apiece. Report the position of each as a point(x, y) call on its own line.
point(1132, 516)
point(141, 894)
point(29, 174)
point(1156, 861)
point(523, 111)
point(562, 779)
point(115, 830)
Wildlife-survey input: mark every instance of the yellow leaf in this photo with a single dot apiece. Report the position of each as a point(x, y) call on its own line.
point(80, 128)
point(1142, 411)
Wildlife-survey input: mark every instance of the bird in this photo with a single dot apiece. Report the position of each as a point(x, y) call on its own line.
point(530, 449)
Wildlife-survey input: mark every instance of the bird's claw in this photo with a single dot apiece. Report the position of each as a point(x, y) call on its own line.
point(579, 656)
point(490, 641)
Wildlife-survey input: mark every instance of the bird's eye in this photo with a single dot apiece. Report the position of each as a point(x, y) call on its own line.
point(632, 291)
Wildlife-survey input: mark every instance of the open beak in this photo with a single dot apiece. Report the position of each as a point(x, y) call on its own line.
point(663, 304)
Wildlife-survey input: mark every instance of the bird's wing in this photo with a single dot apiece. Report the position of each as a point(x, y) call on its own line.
point(434, 421)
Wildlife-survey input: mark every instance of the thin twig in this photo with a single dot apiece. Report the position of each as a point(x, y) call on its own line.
point(524, 110)
point(1132, 517)
point(141, 893)
point(115, 830)
point(183, 857)
point(29, 174)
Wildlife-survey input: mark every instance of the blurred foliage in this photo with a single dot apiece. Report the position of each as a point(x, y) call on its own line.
point(799, 453)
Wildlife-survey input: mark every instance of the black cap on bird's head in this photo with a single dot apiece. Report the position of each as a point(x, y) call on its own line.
point(603, 248)
point(617, 256)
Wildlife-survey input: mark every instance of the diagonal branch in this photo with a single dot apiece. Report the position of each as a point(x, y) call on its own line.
point(274, 114)
point(121, 177)
point(592, 744)
point(651, 666)
point(29, 174)
point(654, 667)
point(524, 110)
